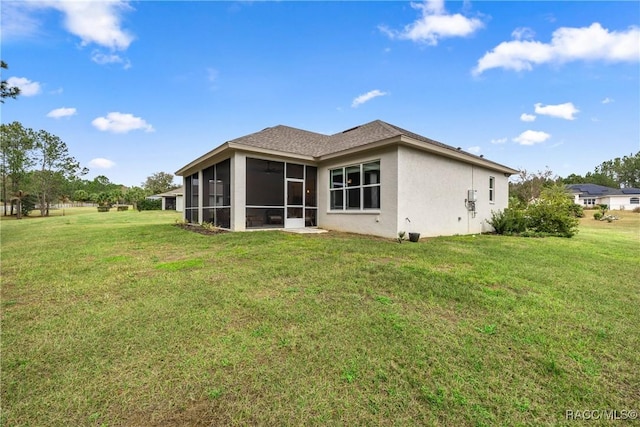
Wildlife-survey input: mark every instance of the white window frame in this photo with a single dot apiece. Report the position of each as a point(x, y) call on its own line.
point(361, 187)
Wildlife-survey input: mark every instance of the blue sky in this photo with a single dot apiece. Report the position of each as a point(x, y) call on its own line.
point(140, 87)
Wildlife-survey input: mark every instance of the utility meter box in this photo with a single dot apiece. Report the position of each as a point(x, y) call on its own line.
point(472, 195)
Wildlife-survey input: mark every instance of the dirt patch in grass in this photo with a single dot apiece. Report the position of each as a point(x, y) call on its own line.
point(199, 413)
point(196, 228)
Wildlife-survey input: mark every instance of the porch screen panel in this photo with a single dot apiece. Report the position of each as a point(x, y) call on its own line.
point(311, 179)
point(223, 180)
point(265, 183)
point(194, 191)
point(295, 171)
point(208, 190)
point(218, 194)
point(191, 199)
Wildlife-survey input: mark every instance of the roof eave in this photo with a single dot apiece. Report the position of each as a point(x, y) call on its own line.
point(271, 152)
point(234, 146)
point(221, 148)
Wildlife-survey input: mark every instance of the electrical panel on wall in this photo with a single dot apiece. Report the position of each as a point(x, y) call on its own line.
point(472, 195)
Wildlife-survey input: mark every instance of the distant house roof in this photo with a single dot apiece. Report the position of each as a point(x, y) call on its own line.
point(288, 140)
point(170, 193)
point(595, 190)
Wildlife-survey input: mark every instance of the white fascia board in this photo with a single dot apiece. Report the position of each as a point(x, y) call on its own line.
point(183, 171)
point(274, 153)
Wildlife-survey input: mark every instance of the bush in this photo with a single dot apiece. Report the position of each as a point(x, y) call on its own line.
point(577, 210)
point(509, 221)
point(149, 205)
point(28, 204)
point(553, 214)
point(597, 216)
point(636, 210)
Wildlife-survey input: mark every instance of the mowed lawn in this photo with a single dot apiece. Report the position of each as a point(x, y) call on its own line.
point(124, 319)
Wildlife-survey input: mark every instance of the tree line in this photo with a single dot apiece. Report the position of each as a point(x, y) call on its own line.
point(619, 172)
point(36, 168)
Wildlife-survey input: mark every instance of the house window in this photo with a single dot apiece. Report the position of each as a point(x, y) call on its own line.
point(634, 200)
point(355, 187)
point(191, 188)
point(589, 202)
point(492, 189)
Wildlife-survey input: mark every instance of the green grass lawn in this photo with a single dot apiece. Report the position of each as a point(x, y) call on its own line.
point(121, 318)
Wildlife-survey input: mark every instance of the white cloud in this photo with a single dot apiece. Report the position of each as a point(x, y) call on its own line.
point(474, 150)
point(531, 137)
point(96, 22)
point(121, 123)
point(499, 141)
point(367, 97)
point(523, 33)
point(565, 111)
point(607, 100)
point(17, 21)
point(27, 87)
point(61, 112)
point(109, 58)
point(527, 117)
point(592, 43)
point(100, 163)
point(435, 24)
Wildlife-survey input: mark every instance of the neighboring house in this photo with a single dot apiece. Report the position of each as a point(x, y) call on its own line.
point(375, 179)
point(173, 200)
point(591, 195)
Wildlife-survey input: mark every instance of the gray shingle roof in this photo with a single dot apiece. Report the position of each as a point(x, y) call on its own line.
point(595, 190)
point(298, 141)
point(287, 139)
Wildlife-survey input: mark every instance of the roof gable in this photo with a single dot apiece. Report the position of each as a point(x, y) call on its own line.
point(285, 139)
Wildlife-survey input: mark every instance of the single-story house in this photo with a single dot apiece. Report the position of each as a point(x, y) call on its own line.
point(375, 179)
point(173, 200)
point(591, 195)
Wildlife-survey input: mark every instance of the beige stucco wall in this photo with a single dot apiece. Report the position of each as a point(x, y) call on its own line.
point(381, 222)
point(238, 191)
point(432, 191)
point(428, 189)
